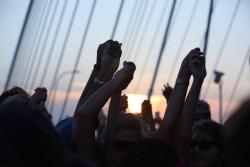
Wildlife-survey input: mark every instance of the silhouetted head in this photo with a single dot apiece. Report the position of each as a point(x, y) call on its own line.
point(207, 144)
point(11, 92)
point(27, 138)
point(151, 153)
point(202, 111)
point(238, 136)
point(124, 132)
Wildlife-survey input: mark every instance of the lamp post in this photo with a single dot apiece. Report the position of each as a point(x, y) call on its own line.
point(218, 81)
point(56, 85)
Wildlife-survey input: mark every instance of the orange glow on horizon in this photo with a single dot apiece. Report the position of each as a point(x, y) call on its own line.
point(134, 102)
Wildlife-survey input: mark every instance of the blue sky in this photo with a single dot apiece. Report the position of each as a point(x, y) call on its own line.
point(12, 13)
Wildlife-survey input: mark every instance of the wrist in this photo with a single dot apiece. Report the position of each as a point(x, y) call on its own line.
point(199, 80)
point(99, 82)
point(185, 77)
point(104, 76)
point(182, 82)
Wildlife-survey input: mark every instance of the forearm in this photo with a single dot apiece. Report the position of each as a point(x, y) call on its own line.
point(87, 88)
point(97, 100)
point(114, 111)
point(114, 107)
point(173, 111)
point(95, 86)
point(187, 117)
point(148, 119)
point(92, 86)
point(85, 120)
point(189, 109)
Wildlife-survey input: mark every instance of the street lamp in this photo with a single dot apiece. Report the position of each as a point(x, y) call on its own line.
point(218, 81)
point(55, 85)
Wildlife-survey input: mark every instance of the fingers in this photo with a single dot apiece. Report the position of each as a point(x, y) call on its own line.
point(129, 65)
point(146, 103)
point(195, 52)
point(195, 62)
point(41, 89)
point(165, 87)
point(110, 46)
point(115, 49)
point(195, 56)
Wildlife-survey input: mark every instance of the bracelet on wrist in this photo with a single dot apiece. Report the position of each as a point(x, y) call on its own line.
point(98, 81)
point(181, 82)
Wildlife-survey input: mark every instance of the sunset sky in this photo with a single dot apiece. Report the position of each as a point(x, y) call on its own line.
point(12, 14)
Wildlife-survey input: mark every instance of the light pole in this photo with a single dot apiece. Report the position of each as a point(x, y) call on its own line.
point(218, 81)
point(55, 87)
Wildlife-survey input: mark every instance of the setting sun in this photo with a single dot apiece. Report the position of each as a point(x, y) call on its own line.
point(134, 102)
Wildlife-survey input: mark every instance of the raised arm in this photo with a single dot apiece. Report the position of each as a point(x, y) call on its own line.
point(118, 105)
point(100, 75)
point(120, 81)
point(85, 116)
point(114, 111)
point(198, 70)
point(167, 91)
point(38, 100)
point(147, 115)
point(176, 101)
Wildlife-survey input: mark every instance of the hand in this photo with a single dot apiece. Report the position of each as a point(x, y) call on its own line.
point(125, 75)
point(146, 108)
point(197, 65)
point(167, 91)
point(110, 60)
point(124, 103)
point(100, 50)
point(40, 95)
point(185, 73)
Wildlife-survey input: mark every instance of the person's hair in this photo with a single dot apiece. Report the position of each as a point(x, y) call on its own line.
point(126, 121)
point(28, 139)
point(213, 129)
point(151, 152)
point(10, 92)
point(204, 106)
point(237, 128)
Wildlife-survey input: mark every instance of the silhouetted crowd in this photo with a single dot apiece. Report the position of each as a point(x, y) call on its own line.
point(185, 136)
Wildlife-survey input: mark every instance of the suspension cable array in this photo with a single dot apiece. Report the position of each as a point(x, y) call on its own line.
point(54, 40)
point(62, 52)
point(237, 81)
point(134, 24)
point(164, 41)
point(45, 41)
point(44, 21)
point(78, 59)
point(136, 31)
point(117, 19)
point(222, 48)
point(144, 31)
point(18, 46)
point(33, 40)
point(150, 48)
point(26, 41)
point(183, 40)
point(34, 61)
